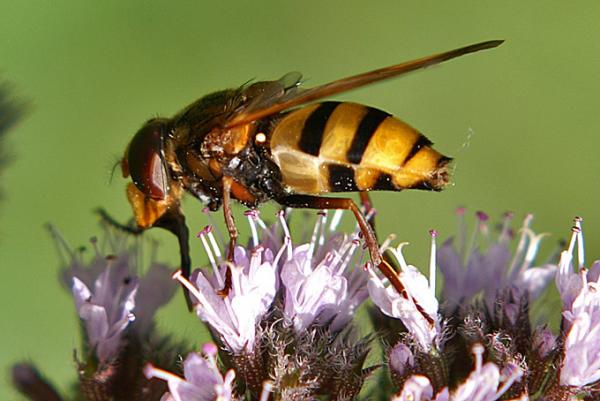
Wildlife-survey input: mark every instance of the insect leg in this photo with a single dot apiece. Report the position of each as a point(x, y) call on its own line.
point(111, 221)
point(231, 228)
point(367, 204)
point(174, 221)
point(317, 202)
point(229, 221)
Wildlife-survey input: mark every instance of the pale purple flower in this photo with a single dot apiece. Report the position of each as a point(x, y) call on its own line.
point(469, 271)
point(106, 310)
point(581, 365)
point(417, 307)
point(418, 388)
point(581, 317)
point(401, 359)
point(543, 342)
point(486, 382)
point(254, 284)
point(202, 379)
point(109, 297)
point(322, 284)
point(570, 283)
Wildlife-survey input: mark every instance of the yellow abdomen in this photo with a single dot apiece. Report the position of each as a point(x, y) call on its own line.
point(341, 147)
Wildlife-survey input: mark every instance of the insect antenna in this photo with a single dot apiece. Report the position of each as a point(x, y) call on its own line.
point(113, 166)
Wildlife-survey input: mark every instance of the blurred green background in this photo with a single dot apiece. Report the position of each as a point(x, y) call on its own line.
point(521, 120)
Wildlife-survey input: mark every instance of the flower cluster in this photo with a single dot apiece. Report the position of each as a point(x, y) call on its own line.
point(116, 307)
point(282, 316)
point(285, 317)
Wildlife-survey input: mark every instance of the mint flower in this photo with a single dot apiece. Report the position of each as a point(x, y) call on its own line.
point(486, 383)
point(110, 298)
point(417, 306)
point(106, 312)
point(284, 329)
point(254, 283)
point(512, 360)
point(322, 283)
point(580, 292)
point(470, 270)
point(202, 379)
point(117, 309)
point(286, 297)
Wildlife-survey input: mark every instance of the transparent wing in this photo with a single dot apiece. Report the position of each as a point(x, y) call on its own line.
point(261, 95)
point(270, 97)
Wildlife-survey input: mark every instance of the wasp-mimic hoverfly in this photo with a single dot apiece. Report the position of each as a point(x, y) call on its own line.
point(264, 141)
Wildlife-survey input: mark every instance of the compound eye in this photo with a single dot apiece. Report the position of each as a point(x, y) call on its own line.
point(146, 160)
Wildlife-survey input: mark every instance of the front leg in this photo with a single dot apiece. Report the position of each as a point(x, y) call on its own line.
point(164, 213)
point(231, 229)
point(111, 221)
point(229, 220)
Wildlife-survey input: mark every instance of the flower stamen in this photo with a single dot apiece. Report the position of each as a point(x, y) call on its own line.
point(313, 239)
point(287, 238)
point(202, 301)
point(386, 244)
point(335, 220)
point(251, 215)
point(211, 257)
point(522, 242)
point(478, 354)
point(574, 232)
point(214, 244)
point(322, 228)
point(482, 218)
point(267, 389)
point(505, 232)
point(350, 250)
point(212, 222)
point(150, 371)
point(580, 247)
point(432, 262)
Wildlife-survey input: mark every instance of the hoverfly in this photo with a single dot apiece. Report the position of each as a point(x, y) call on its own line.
point(264, 141)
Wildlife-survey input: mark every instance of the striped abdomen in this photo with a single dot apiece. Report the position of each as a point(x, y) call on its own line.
point(339, 147)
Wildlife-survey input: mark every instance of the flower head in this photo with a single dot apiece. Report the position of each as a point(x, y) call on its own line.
point(281, 314)
point(107, 311)
point(109, 296)
point(580, 293)
point(286, 296)
point(417, 306)
point(469, 270)
point(322, 283)
point(318, 281)
point(117, 309)
point(253, 286)
point(202, 379)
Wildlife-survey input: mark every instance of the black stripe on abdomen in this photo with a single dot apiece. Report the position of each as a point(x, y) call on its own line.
point(367, 127)
point(314, 128)
point(341, 178)
point(384, 183)
point(420, 143)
